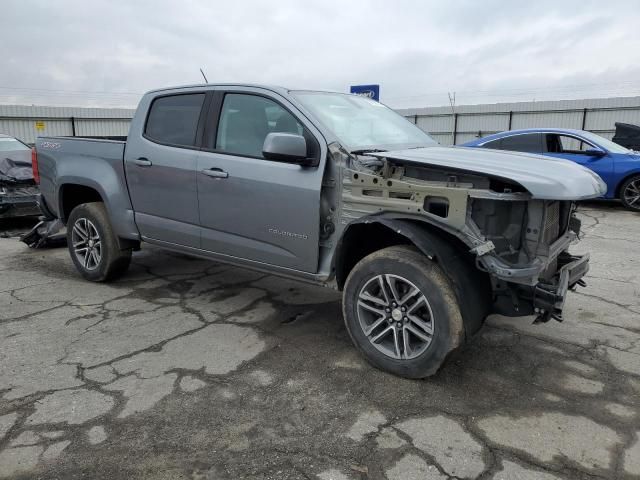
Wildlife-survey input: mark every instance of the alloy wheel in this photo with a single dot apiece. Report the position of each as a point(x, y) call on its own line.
point(87, 245)
point(395, 316)
point(632, 194)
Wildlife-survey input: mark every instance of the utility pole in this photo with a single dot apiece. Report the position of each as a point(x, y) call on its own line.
point(452, 102)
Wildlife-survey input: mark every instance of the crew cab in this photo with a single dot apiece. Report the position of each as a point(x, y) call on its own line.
point(330, 188)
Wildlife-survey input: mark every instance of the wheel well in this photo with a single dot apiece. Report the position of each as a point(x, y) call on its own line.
point(621, 182)
point(363, 239)
point(73, 195)
point(473, 287)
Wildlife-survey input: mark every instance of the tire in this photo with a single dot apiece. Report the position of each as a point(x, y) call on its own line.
point(406, 269)
point(630, 193)
point(98, 256)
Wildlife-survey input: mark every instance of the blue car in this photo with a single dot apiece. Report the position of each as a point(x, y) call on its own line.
point(616, 165)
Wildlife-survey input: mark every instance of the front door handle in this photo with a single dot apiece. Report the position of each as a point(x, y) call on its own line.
point(215, 173)
point(142, 162)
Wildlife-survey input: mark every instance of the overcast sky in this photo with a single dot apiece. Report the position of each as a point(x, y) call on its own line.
point(107, 53)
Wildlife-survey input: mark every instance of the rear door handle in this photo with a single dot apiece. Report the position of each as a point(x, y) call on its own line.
point(215, 173)
point(142, 162)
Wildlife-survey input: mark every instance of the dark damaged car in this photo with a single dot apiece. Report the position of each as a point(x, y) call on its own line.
point(334, 189)
point(18, 189)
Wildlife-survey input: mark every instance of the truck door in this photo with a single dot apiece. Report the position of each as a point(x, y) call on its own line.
point(160, 164)
point(250, 207)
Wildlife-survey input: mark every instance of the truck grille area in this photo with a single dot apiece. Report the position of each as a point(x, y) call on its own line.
point(523, 231)
point(551, 229)
point(556, 221)
point(502, 223)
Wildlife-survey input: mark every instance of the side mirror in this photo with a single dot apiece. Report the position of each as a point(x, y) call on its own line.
point(595, 152)
point(285, 147)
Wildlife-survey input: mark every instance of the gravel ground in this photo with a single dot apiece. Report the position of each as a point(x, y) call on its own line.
point(190, 369)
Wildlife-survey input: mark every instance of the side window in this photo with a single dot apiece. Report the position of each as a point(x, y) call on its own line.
point(495, 144)
point(246, 120)
point(574, 145)
point(530, 143)
point(174, 119)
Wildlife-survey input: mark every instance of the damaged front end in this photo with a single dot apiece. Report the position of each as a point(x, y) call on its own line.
point(526, 254)
point(520, 241)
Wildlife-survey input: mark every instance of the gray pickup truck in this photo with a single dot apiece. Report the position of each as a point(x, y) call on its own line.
point(424, 241)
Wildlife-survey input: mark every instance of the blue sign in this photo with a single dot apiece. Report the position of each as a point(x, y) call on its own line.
point(369, 91)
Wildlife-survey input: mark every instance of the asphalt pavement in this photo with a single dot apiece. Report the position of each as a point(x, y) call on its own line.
point(189, 369)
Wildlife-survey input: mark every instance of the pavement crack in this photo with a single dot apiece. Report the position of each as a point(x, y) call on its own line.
point(610, 302)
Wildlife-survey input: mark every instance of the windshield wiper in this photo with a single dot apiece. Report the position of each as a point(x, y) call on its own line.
point(364, 151)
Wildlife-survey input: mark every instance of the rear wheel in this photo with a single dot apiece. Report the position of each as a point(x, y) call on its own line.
point(93, 246)
point(401, 312)
point(630, 193)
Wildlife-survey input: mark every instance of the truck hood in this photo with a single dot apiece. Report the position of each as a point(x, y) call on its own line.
point(544, 177)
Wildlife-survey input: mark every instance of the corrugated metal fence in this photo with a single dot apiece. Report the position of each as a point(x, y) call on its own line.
point(28, 122)
point(468, 122)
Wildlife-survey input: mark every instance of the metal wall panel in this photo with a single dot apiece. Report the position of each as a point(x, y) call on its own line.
point(589, 103)
point(600, 117)
point(547, 119)
point(435, 124)
point(606, 119)
point(483, 123)
point(26, 131)
point(442, 139)
point(33, 111)
point(20, 121)
point(102, 128)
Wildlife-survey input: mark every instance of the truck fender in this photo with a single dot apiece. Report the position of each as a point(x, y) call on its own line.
point(111, 188)
point(472, 286)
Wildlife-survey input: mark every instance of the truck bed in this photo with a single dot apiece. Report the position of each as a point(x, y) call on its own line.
point(84, 144)
point(97, 164)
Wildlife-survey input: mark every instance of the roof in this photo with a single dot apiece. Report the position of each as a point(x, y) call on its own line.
point(273, 88)
point(509, 133)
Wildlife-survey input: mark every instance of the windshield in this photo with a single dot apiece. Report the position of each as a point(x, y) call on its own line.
point(361, 123)
point(8, 144)
point(604, 143)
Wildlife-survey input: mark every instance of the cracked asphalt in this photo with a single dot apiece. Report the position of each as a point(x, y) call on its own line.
point(188, 369)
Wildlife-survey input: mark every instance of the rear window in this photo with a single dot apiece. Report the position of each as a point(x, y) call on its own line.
point(173, 120)
point(528, 143)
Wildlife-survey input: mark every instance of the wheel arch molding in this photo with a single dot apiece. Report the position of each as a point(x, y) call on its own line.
point(628, 175)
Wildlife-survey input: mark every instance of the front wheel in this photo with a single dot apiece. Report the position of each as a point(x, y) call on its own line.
point(401, 312)
point(630, 193)
point(93, 246)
